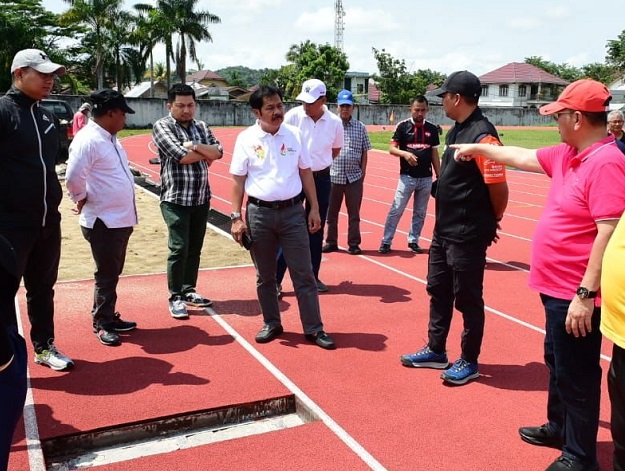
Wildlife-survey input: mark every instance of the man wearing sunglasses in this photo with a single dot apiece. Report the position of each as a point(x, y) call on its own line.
point(585, 202)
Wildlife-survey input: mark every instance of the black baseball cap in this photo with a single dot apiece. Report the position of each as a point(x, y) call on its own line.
point(108, 99)
point(462, 82)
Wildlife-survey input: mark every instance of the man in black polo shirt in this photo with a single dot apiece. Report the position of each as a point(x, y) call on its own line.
point(415, 142)
point(470, 202)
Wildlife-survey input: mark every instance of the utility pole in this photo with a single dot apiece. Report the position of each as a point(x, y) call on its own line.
point(339, 26)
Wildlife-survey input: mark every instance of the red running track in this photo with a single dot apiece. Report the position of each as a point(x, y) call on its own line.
point(376, 413)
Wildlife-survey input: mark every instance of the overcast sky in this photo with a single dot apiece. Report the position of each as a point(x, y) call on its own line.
point(479, 35)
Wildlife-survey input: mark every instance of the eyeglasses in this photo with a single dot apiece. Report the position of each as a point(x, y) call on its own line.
point(556, 116)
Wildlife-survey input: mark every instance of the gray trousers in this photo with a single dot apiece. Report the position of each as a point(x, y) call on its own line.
point(353, 198)
point(287, 227)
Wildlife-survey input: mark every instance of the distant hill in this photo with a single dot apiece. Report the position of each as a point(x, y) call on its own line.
point(242, 76)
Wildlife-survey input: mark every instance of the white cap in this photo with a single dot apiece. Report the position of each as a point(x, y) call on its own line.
point(312, 90)
point(37, 60)
point(85, 106)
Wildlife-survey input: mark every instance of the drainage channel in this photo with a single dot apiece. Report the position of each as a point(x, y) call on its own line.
point(167, 434)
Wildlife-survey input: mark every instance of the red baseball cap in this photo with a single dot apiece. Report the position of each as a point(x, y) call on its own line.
point(582, 95)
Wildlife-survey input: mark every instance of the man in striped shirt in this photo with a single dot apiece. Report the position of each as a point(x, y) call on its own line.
point(186, 148)
point(347, 174)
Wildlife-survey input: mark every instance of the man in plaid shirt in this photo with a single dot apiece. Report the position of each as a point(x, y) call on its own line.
point(186, 148)
point(347, 174)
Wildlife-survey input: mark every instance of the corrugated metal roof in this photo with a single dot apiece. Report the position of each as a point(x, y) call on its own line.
point(520, 72)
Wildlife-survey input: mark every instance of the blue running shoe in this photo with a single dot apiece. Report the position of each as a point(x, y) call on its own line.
point(425, 358)
point(460, 372)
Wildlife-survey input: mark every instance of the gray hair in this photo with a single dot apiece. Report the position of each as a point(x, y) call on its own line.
point(615, 114)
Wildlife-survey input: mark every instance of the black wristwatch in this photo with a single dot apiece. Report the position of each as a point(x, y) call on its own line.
point(235, 216)
point(585, 293)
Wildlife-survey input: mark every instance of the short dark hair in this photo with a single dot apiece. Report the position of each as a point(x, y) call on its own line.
point(180, 89)
point(597, 118)
point(420, 99)
point(262, 92)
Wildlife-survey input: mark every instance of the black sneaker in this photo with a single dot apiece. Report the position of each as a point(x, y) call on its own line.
point(354, 250)
point(541, 436)
point(385, 248)
point(415, 247)
point(121, 325)
point(107, 337)
point(329, 248)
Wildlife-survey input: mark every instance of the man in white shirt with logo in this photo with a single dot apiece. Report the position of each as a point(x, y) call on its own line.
point(272, 166)
point(99, 181)
point(322, 135)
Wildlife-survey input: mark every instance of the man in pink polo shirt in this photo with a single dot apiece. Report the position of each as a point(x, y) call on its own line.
point(585, 202)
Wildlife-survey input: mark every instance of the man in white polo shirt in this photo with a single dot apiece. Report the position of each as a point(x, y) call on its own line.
point(272, 166)
point(322, 135)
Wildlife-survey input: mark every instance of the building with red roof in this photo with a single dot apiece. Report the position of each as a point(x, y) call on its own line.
point(520, 84)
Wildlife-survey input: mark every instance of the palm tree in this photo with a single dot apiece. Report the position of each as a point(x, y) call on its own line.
point(191, 27)
point(156, 27)
point(100, 16)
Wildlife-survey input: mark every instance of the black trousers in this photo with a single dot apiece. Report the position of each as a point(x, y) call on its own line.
point(108, 247)
point(456, 277)
point(38, 253)
point(12, 394)
point(616, 389)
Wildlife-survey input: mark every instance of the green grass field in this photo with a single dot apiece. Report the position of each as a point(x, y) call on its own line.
point(515, 137)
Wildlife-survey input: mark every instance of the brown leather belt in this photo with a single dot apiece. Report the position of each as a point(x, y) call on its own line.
point(275, 204)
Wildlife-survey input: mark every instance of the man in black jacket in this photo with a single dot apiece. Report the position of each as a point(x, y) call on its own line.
point(470, 202)
point(31, 193)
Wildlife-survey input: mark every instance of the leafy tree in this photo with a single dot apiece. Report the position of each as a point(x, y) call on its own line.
point(100, 16)
point(564, 70)
point(248, 77)
point(396, 84)
point(310, 60)
point(26, 24)
point(601, 72)
point(616, 52)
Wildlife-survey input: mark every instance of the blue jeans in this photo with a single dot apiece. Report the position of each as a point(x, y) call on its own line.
point(574, 381)
point(406, 187)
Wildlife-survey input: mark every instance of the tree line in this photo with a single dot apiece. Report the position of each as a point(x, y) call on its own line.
point(105, 45)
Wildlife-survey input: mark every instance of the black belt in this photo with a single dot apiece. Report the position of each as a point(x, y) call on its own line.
point(322, 173)
point(275, 204)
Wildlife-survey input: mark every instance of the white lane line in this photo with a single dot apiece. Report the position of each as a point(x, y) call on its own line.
point(33, 441)
point(486, 308)
point(339, 431)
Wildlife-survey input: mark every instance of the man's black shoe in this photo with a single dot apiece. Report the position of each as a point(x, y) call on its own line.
point(329, 248)
point(107, 337)
point(384, 248)
point(268, 333)
point(565, 463)
point(415, 247)
point(121, 325)
point(354, 250)
point(322, 339)
point(541, 436)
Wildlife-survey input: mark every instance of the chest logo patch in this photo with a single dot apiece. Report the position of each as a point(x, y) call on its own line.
point(259, 151)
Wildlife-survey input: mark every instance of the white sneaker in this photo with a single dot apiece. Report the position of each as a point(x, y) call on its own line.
point(178, 308)
point(53, 358)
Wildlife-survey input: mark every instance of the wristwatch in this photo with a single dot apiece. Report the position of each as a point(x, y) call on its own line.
point(220, 149)
point(235, 216)
point(585, 293)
